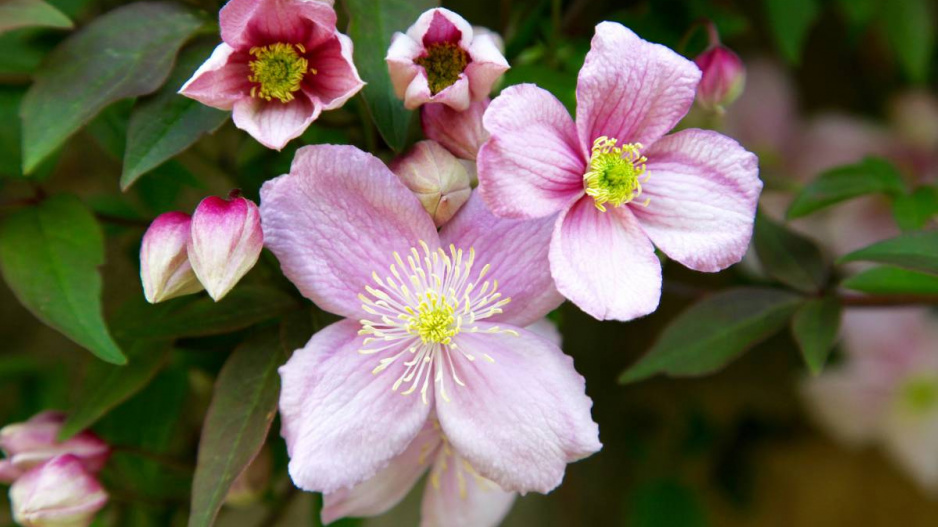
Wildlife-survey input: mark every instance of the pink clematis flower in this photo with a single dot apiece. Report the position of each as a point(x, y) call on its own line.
point(282, 62)
point(618, 184)
point(442, 60)
point(428, 331)
point(34, 442)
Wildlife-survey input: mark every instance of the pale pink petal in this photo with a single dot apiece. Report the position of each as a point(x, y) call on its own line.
point(336, 79)
point(8, 472)
point(703, 189)
point(35, 442)
point(488, 64)
point(274, 123)
point(846, 403)
point(604, 263)
point(532, 165)
point(522, 416)
point(164, 264)
point(547, 329)
point(456, 95)
point(247, 23)
point(220, 81)
point(456, 496)
point(516, 250)
point(341, 422)
point(441, 25)
point(401, 66)
point(460, 132)
point(630, 89)
point(225, 243)
point(335, 219)
point(389, 486)
point(57, 493)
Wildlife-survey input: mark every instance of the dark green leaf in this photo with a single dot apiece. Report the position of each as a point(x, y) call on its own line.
point(892, 281)
point(815, 326)
point(715, 331)
point(913, 250)
point(30, 13)
point(199, 316)
point(870, 176)
point(913, 211)
point(168, 123)
point(666, 502)
point(107, 386)
point(125, 53)
point(243, 407)
point(789, 257)
point(372, 23)
point(910, 28)
point(790, 21)
point(49, 255)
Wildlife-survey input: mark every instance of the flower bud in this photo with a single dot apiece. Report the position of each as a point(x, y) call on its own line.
point(723, 79)
point(164, 264)
point(460, 132)
point(34, 442)
point(226, 242)
point(251, 484)
point(60, 493)
point(436, 177)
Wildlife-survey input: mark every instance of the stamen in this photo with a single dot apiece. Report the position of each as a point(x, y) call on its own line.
point(278, 71)
point(443, 62)
point(615, 173)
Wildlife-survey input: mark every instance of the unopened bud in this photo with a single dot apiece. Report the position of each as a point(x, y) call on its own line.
point(723, 78)
point(35, 442)
point(461, 133)
point(436, 177)
point(58, 493)
point(164, 264)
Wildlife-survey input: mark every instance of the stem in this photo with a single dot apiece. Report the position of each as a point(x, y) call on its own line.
point(887, 300)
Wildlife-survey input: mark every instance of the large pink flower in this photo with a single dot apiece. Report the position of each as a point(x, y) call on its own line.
point(621, 187)
point(442, 60)
point(281, 63)
point(428, 331)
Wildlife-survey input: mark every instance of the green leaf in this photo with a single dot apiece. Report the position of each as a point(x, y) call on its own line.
point(870, 176)
point(125, 53)
point(49, 256)
point(892, 281)
point(910, 29)
point(106, 386)
point(199, 316)
point(790, 21)
point(371, 25)
point(30, 13)
point(714, 331)
point(789, 257)
point(168, 123)
point(913, 211)
point(665, 502)
point(913, 250)
point(243, 407)
point(815, 327)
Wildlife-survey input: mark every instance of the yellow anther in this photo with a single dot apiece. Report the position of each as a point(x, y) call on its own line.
point(615, 173)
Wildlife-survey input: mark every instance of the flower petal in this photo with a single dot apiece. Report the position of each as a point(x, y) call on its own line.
point(164, 263)
point(226, 241)
point(520, 419)
point(517, 252)
point(630, 89)
point(440, 25)
point(458, 497)
point(274, 123)
point(220, 81)
point(704, 188)
point(336, 218)
point(59, 492)
point(389, 486)
point(247, 23)
point(604, 263)
point(532, 165)
point(460, 132)
point(341, 422)
point(488, 64)
point(336, 79)
point(401, 66)
point(456, 95)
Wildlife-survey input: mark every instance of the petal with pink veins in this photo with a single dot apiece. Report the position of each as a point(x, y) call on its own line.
point(703, 189)
point(335, 219)
point(487, 65)
point(456, 496)
point(220, 81)
point(532, 166)
point(440, 25)
point(459, 132)
point(630, 89)
point(274, 123)
point(604, 263)
point(517, 253)
point(336, 79)
point(521, 416)
point(341, 422)
point(248, 23)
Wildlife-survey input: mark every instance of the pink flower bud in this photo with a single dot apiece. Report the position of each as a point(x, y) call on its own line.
point(164, 265)
point(60, 493)
point(34, 442)
point(461, 133)
point(723, 79)
point(436, 177)
point(225, 242)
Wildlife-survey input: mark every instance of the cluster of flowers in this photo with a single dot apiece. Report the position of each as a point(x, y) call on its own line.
point(444, 362)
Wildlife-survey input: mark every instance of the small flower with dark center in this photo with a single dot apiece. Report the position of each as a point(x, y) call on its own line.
point(441, 59)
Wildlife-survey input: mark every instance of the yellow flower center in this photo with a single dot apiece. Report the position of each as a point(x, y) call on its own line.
point(615, 173)
point(433, 321)
point(443, 62)
point(920, 394)
point(278, 71)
